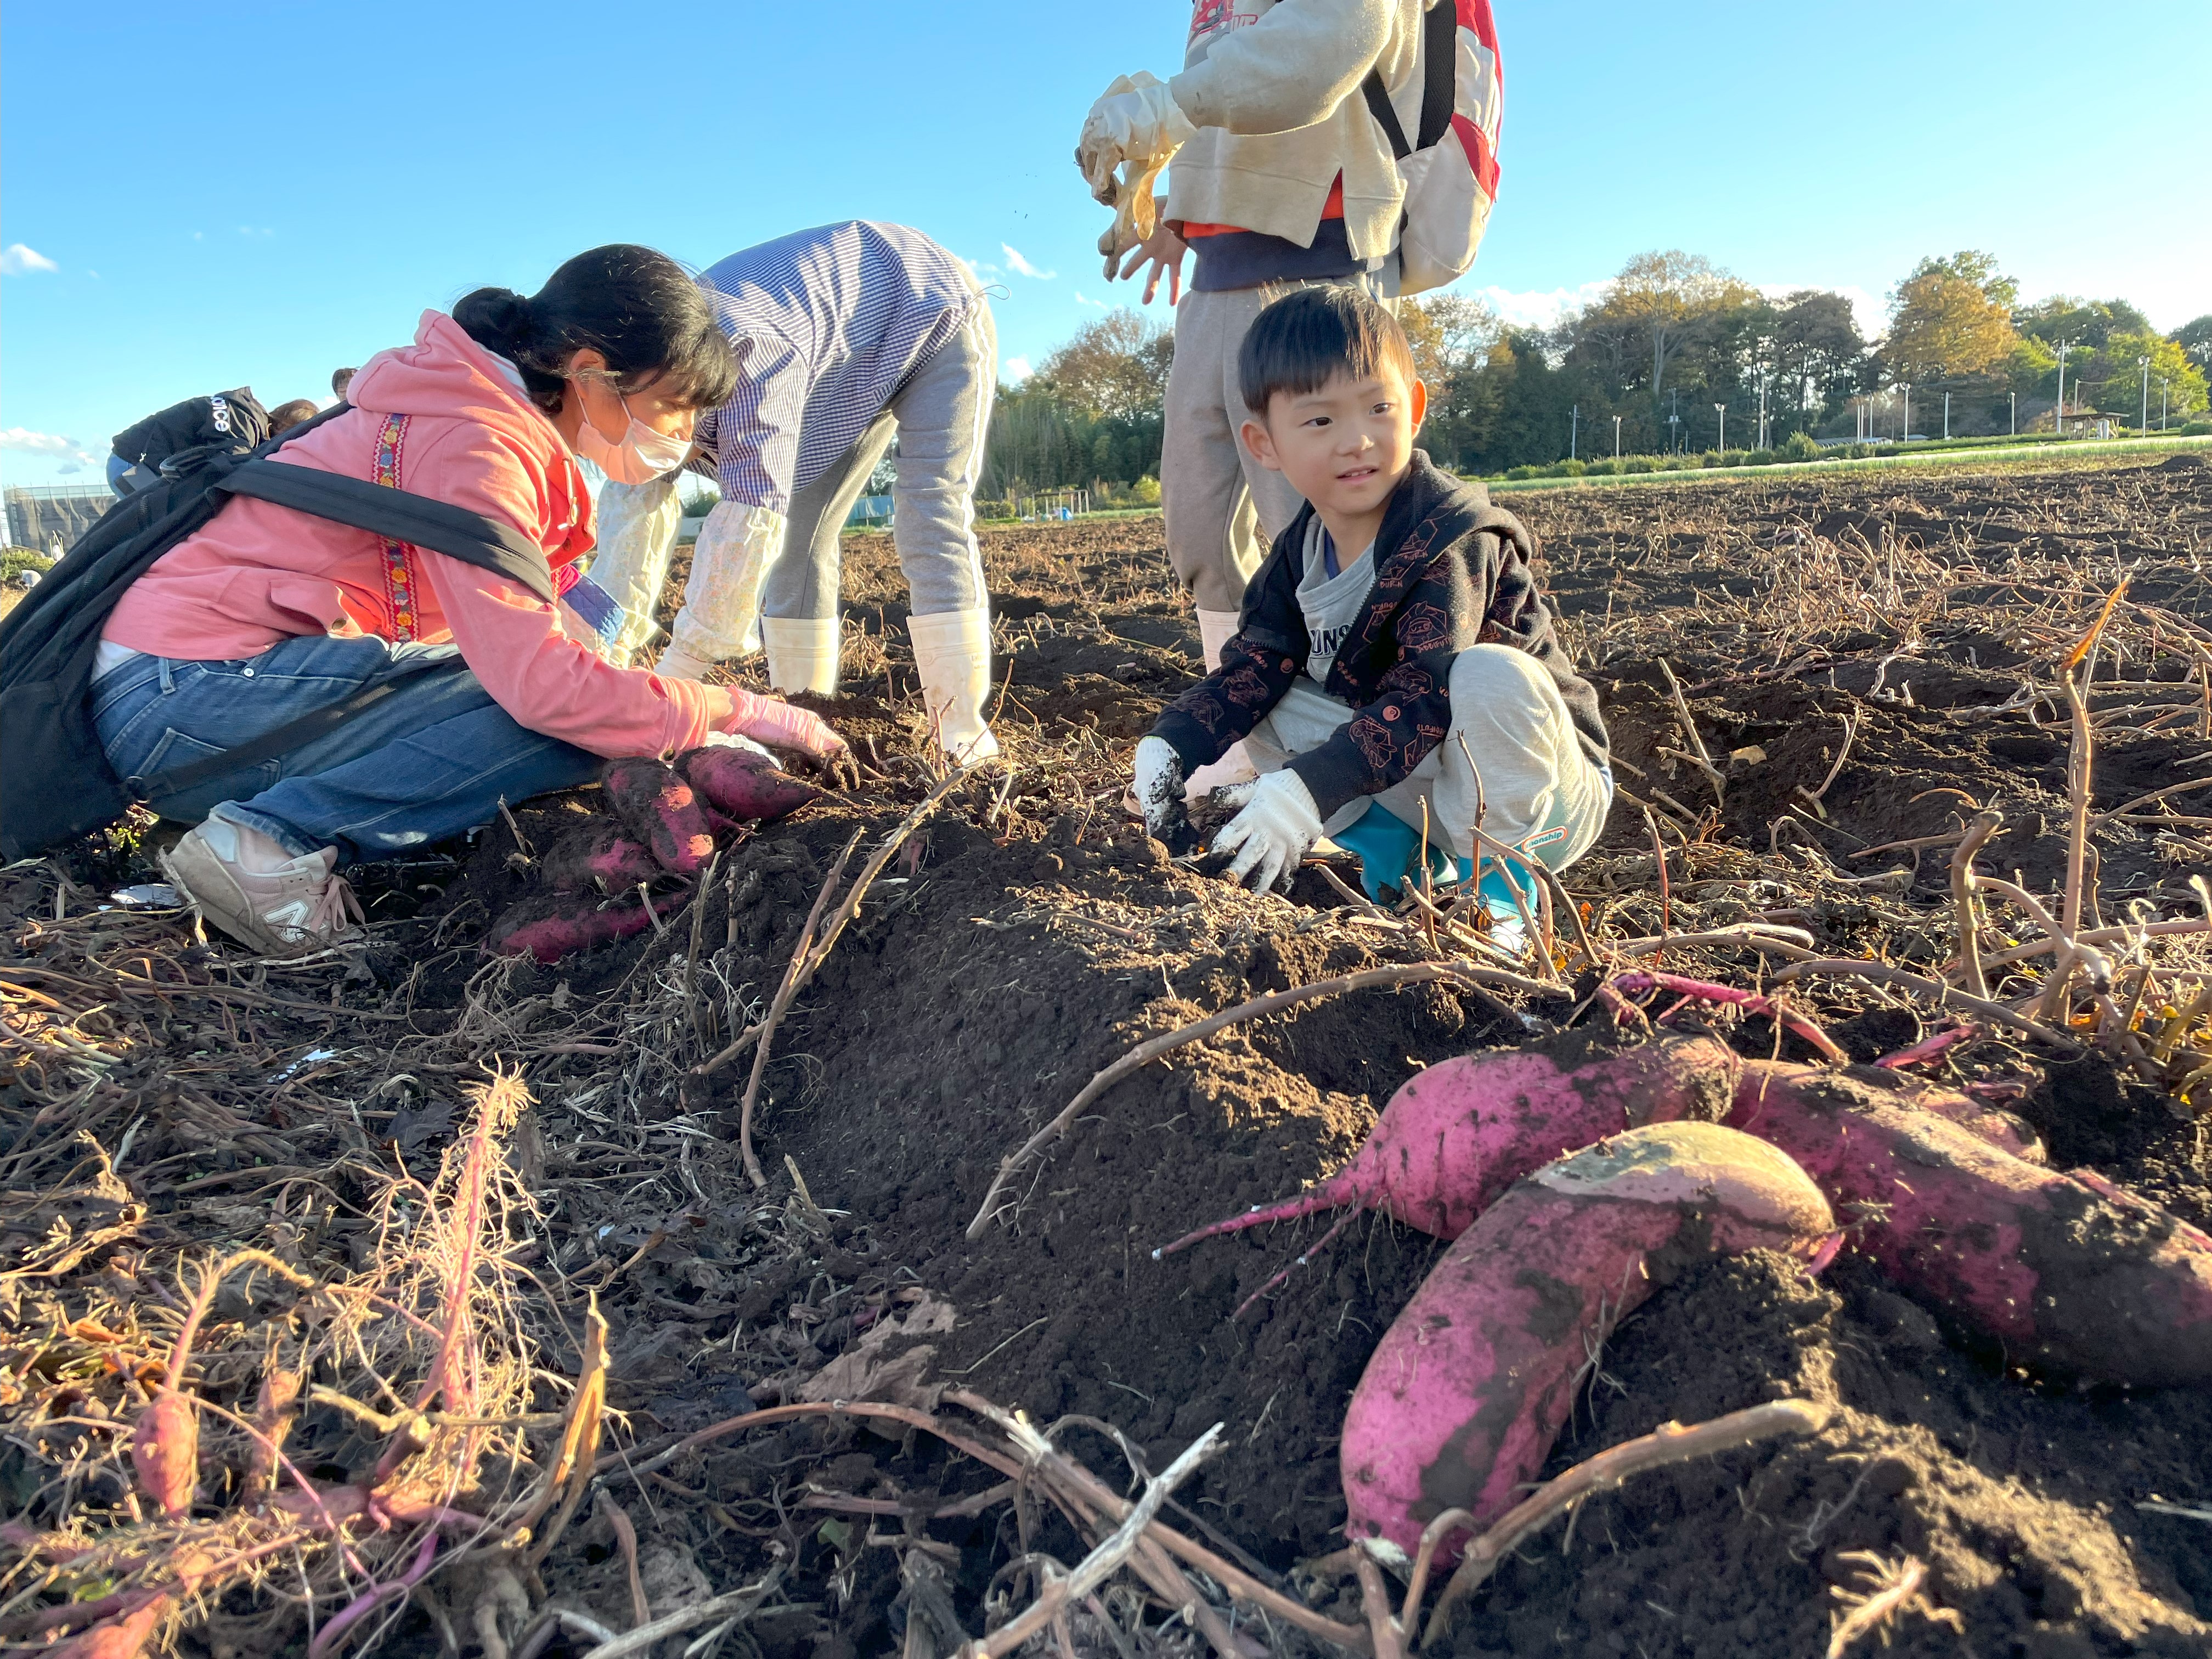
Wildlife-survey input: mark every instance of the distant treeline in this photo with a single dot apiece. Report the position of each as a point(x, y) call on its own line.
point(1673, 350)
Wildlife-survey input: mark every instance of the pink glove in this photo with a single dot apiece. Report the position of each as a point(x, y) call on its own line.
point(771, 721)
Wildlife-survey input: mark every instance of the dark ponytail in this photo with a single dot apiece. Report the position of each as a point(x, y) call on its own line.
point(637, 308)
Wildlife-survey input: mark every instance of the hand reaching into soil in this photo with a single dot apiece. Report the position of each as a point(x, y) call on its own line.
point(1157, 782)
point(1277, 826)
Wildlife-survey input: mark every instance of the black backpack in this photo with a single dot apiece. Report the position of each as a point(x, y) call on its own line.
point(55, 781)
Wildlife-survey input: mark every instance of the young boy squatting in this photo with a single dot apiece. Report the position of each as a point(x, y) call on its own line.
point(1393, 650)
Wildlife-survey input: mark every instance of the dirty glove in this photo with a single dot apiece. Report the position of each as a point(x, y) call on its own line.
point(1277, 825)
point(1136, 118)
point(773, 722)
point(1157, 785)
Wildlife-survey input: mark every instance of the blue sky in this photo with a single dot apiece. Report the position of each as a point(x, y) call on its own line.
point(257, 193)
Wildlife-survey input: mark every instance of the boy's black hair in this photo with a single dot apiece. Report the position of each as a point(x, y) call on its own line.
point(637, 308)
point(1297, 344)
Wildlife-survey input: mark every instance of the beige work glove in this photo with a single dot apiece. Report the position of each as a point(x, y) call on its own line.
point(1137, 120)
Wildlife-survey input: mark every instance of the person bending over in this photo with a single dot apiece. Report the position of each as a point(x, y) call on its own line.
point(846, 336)
point(267, 614)
point(1393, 654)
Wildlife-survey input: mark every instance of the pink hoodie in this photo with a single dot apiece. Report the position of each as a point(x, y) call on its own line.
point(259, 574)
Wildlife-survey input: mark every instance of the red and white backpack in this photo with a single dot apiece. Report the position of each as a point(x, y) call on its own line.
point(1450, 163)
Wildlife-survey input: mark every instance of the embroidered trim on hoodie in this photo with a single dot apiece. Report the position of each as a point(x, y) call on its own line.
point(399, 576)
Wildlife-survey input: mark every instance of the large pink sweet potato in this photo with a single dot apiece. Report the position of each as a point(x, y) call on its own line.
point(551, 927)
point(658, 809)
point(598, 854)
point(2066, 1271)
point(741, 784)
point(1464, 1130)
point(1461, 1401)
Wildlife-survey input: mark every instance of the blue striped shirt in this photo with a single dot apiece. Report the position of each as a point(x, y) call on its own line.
point(828, 324)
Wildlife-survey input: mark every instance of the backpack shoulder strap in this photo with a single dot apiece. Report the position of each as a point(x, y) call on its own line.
point(1439, 83)
point(399, 515)
point(1439, 72)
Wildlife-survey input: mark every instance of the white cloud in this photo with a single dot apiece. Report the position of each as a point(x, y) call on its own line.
point(1014, 259)
point(16, 260)
point(1017, 368)
point(1082, 298)
point(1537, 309)
point(255, 231)
point(73, 455)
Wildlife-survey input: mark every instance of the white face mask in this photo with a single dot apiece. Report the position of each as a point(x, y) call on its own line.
point(638, 457)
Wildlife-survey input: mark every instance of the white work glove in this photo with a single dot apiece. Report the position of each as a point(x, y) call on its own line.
point(721, 602)
point(1277, 825)
point(1158, 783)
point(1137, 118)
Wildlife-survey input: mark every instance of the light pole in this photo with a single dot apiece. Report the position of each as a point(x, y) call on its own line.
point(2162, 384)
point(1616, 437)
point(1673, 436)
point(2059, 415)
point(1721, 442)
point(1574, 428)
point(1905, 436)
point(2143, 363)
point(1946, 418)
point(1762, 414)
point(2014, 396)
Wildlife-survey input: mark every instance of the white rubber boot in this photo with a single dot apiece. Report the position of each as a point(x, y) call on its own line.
point(1215, 629)
point(802, 653)
point(677, 663)
point(952, 653)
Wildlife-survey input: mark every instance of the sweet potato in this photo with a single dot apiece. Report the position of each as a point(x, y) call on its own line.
point(1459, 1402)
point(2006, 1131)
point(742, 784)
point(658, 809)
point(599, 855)
point(2067, 1272)
point(1464, 1131)
point(551, 927)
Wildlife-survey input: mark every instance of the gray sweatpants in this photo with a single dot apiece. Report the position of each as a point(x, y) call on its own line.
point(1222, 507)
point(1536, 789)
point(940, 415)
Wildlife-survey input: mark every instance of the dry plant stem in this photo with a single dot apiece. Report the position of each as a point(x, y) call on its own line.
point(1882, 974)
point(1754, 935)
point(1963, 881)
point(1702, 760)
point(643, 1637)
point(847, 908)
point(695, 1015)
point(1405, 974)
point(1390, 1641)
point(1101, 1563)
point(1670, 1442)
point(2078, 761)
point(2005, 958)
point(571, 1473)
point(1432, 1538)
point(1850, 736)
point(769, 1021)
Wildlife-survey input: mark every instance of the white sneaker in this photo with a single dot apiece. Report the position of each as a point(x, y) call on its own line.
point(284, 906)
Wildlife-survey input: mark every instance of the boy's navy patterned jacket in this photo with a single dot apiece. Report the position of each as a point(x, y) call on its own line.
point(1450, 571)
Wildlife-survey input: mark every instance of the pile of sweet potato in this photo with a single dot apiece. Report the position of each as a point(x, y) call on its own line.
point(1571, 1181)
point(660, 826)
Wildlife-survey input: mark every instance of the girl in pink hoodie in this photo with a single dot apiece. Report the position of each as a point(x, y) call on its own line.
point(268, 613)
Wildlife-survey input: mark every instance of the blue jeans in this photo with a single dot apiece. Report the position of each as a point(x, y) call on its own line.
point(432, 760)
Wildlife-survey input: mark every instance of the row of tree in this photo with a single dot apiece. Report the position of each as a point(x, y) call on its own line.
point(1673, 353)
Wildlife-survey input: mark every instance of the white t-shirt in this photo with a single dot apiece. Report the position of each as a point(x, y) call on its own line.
point(1331, 604)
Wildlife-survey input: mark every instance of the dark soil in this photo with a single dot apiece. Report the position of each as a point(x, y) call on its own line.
point(1036, 935)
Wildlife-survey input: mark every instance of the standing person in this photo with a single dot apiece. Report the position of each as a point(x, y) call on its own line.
point(235, 420)
point(1294, 130)
point(846, 336)
point(268, 614)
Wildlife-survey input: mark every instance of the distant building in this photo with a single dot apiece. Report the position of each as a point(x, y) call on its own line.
point(38, 514)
